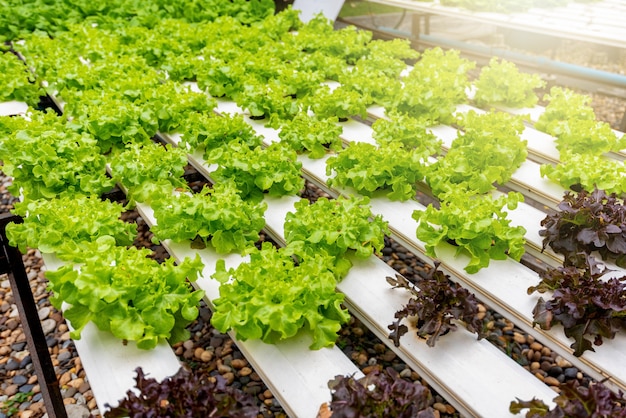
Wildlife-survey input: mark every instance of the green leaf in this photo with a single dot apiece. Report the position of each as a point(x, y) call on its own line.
point(129, 327)
point(78, 316)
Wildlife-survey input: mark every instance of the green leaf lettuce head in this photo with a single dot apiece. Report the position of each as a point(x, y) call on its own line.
point(564, 105)
point(501, 83)
point(64, 225)
point(271, 298)
point(309, 133)
point(132, 296)
point(337, 227)
point(584, 136)
point(16, 81)
point(367, 79)
point(367, 168)
point(435, 86)
point(476, 224)
point(273, 170)
point(207, 132)
point(149, 170)
point(348, 44)
point(47, 159)
point(488, 151)
point(409, 131)
point(342, 103)
point(587, 172)
point(217, 215)
point(172, 103)
point(114, 121)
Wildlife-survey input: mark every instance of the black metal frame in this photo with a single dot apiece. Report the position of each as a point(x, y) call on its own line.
point(11, 263)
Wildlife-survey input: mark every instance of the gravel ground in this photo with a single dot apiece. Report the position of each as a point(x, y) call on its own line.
point(215, 353)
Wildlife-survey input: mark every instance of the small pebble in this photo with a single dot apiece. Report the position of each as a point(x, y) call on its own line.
point(440, 407)
point(238, 363)
point(361, 359)
point(369, 369)
point(206, 356)
point(69, 392)
point(519, 338)
point(65, 379)
point(389, 356)
point(26, 388)
point(12, 365)
point(570, 373)
point(43, 313)
point(64, 356)
point(48, 325)
point(561, 362)
point(76, 383)
point(221, 368)
point(245, 371)
point(11, 390)
point(229, 377)
point(20, 379)
point(555, 371)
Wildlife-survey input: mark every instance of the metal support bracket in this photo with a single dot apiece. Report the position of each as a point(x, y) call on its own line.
point(11, 263)
point(417, 25)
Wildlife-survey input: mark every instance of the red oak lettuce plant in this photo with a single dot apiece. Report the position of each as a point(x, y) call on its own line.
point(588, 306)
point(436, 301)
point(379, 394)
point(587, 222)
point(185, 394)
point(575, 401)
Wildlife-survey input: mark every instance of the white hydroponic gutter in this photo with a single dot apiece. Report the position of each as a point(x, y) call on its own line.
point(13, 108)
